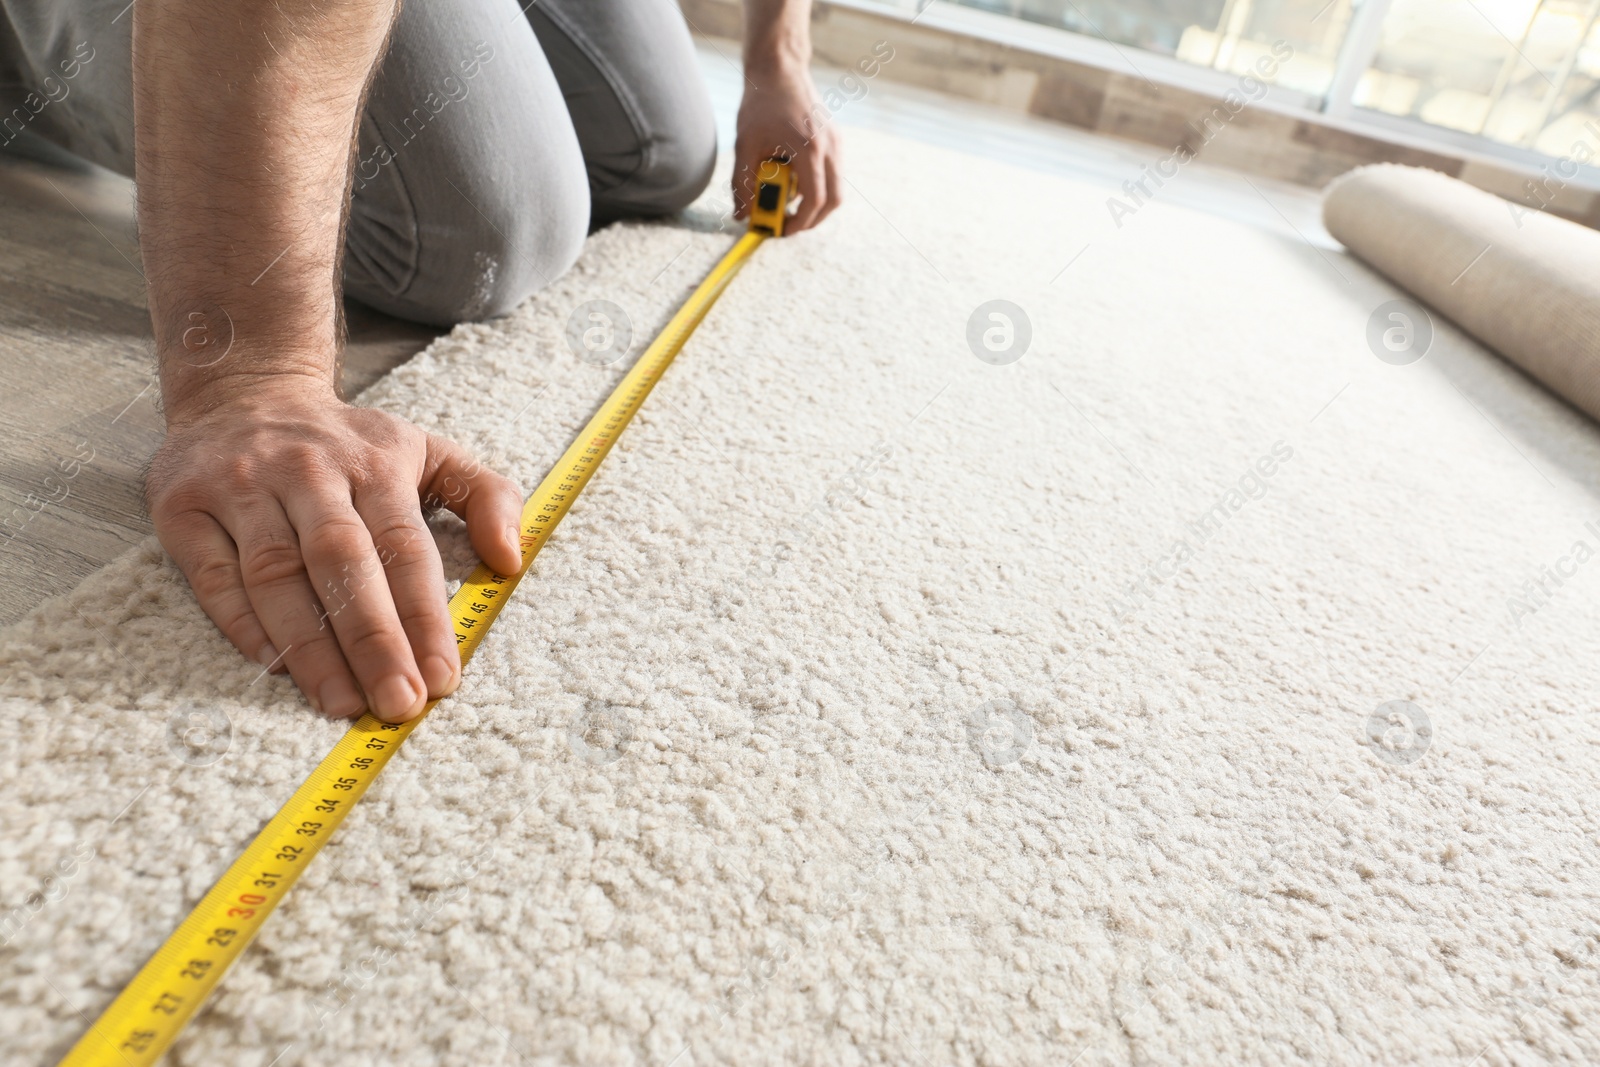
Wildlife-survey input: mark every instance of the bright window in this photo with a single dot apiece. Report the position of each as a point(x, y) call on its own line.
point(1520, 72)
point(1509, 77)
point(1226, 35)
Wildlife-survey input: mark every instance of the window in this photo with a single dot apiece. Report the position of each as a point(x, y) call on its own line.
point(1507, 77)
point(1226, 35)
point(1519, 72)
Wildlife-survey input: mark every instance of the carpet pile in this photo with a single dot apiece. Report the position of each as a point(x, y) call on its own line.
point(1138, 670)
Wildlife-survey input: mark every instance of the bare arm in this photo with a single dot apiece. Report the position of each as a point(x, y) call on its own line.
point(781, 114)
point(245, 116)
point(778, 31)
point(296, 517)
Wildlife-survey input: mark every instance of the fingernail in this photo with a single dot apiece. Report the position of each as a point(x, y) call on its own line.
point(267, 655)
point(338, 697)
point(395, 699)
point(439, 674)
point(514, 538)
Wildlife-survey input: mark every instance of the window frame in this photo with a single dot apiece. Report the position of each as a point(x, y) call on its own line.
point(1336, 106)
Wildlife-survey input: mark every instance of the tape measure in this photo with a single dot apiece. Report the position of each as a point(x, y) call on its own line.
point(152, 1010)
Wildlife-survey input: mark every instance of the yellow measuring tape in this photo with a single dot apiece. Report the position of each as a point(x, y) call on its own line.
point(153, 1009)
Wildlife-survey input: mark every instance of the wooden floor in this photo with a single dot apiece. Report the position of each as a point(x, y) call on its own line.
point(78, 413)
point(77, 367)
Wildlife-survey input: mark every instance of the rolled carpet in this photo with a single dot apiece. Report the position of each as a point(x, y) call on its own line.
point(1525, 283)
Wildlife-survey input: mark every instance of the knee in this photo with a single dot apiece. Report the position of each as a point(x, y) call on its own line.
point(670, 168)
point(511, 248)
point(678, 168)
point(470, 249)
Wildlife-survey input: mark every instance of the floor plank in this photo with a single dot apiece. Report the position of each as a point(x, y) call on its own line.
point(78, 413)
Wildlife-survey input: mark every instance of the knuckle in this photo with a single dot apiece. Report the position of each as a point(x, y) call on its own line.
point(171, 501)
point(450, 491)
point(238, 472)
point(235, 619)
point(164, 499)
point(315, 651)
point(183, 535)
point(302, 455)
point(423, 615)
point(342, 539)
point(397, 537)
point(213, 578)
point(271, 561)
point(376, 647)
point(380, 464)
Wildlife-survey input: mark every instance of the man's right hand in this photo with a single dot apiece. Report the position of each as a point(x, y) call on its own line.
point(297, 519)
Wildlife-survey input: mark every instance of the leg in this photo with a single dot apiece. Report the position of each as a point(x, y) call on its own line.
point(66, 74)
point(640, 107)
point(469, 187)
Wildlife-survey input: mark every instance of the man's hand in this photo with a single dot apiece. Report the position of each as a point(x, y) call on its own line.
point(297, 519)
point(781, 116)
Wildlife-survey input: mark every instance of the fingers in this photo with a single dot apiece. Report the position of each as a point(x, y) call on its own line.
point(308, 548)
point(818, 185)
point(349, 579)
point(743, 185)
point(207, 556)
point(490, 503)
point(746, 174)
point(347, 594)
point(835, 182)
point(279, 587)
point(811, 183)
point(410, 560)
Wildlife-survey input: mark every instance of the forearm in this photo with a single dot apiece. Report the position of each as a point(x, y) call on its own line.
point(244, 120)
point(777, 35)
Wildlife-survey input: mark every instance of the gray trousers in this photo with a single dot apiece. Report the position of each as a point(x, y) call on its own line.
point(493, 139)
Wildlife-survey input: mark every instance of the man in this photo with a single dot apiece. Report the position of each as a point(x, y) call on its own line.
point(481, 140)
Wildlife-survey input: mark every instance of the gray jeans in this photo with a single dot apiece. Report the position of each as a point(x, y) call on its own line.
point(492, 141)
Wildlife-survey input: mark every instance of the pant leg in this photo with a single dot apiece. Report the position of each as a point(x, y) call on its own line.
point(472, 184)
point(639, 104)
point(469, 187)
point(66, 75)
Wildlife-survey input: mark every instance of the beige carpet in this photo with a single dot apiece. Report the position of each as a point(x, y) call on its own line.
point(880, 704)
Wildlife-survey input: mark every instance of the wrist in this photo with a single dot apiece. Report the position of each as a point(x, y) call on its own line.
point(778, 59)
point(189, 397)
point(211, 353)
